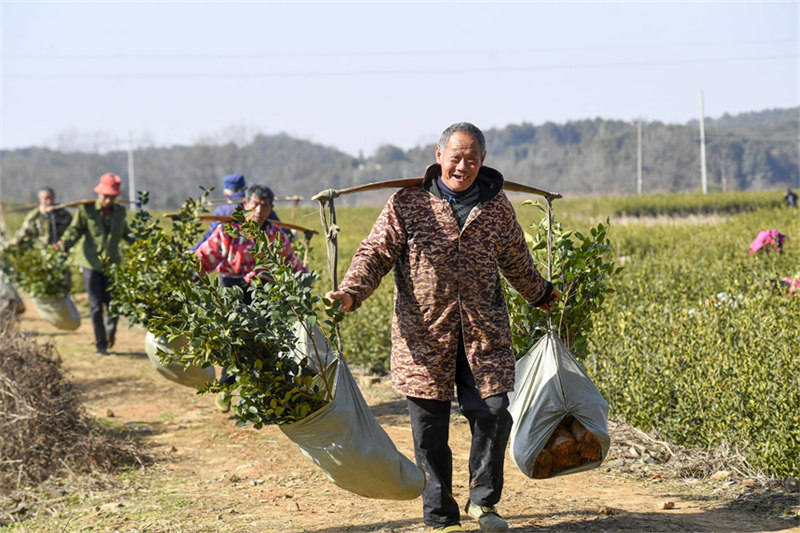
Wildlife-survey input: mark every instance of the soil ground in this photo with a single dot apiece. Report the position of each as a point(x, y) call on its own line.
point(211, 476)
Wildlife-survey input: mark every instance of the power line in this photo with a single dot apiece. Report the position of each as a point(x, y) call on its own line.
point(397, 72)
point(271, 54)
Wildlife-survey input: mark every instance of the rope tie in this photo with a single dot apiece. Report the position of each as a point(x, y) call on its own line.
point(549, 252)
point(327, 213)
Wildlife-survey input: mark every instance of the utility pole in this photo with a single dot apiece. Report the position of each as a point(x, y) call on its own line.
point(2, 210)
point(703, 180)
point(723, 177)
point(131, 175)
point(639, 158)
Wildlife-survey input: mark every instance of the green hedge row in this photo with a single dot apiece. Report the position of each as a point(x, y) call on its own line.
point(726, 203)
point(697, 342)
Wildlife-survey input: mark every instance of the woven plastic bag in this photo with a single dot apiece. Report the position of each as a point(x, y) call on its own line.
point(9, 297)
point(60, 311)
point(550, 386)
point(312, 345)
point(191, 376)
point(345, 440)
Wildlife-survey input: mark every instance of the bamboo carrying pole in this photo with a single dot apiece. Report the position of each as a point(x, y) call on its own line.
point(410, 182)
point(75, 203)
point(295, 199)
point(223, 218)
point(331, 230)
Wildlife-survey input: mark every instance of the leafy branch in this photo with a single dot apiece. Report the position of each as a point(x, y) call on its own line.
point(156, 262)
point(582, 265)
point(254, 342)
point(40, 270)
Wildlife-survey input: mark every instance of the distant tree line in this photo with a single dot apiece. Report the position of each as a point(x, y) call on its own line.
point(756, 150)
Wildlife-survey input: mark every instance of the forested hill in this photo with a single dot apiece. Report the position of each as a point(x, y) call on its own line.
point(748, 151)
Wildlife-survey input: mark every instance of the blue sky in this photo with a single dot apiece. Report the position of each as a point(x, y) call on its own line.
point(358, 75)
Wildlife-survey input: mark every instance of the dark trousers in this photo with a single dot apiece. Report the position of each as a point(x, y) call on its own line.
point(490, 425)
point(98, 288)
point(224, 378)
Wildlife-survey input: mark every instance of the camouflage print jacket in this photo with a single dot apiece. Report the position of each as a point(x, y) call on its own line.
point(46, 228)
point(447, 282)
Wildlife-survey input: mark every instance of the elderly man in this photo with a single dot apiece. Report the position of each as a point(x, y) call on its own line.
point(44, 223)
point(101, 225)
point(232, 258)
point(448, 240)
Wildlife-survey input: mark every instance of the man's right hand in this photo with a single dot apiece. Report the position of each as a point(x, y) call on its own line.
point(343, 297)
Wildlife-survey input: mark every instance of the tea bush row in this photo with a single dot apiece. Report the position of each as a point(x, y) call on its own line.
point(693, 203)
point(697, 342)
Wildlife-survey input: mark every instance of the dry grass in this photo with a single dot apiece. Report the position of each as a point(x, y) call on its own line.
point(44, 431)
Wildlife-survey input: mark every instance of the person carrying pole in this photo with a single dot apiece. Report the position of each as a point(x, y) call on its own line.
point(448, 239)
point(101, 225)
point(45, 223)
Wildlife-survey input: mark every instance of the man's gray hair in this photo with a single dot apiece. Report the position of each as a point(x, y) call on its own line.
point(463, 127)
point(48, 190)
point(262, 192)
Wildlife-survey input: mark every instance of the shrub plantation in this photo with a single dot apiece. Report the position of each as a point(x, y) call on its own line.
point(697, 341)
point(691, 204)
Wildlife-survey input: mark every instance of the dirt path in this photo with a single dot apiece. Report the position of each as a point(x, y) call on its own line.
point(211, 476)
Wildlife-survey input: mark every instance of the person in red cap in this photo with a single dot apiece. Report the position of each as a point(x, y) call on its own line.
point(102, 225)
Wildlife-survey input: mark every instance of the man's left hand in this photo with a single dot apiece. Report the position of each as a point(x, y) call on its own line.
point(550, 304)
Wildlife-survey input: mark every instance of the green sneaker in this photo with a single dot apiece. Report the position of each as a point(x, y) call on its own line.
point(222, 403)
point(488, 518)
point(453, 528)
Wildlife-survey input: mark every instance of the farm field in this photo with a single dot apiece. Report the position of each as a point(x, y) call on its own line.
point(694, 346)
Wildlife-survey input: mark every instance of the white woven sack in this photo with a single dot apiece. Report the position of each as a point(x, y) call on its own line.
point(60, 311)
point(346, 441)
point(9, 295)
point(191, 376)
point(312, 345)
point(551, 384)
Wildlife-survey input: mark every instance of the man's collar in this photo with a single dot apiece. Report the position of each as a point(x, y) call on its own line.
point(490, 181)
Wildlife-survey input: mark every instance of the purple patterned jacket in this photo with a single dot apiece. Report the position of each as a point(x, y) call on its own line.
point(446, 279)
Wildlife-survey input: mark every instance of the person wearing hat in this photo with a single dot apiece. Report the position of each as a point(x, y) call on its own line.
point(233, 187)
point(101, 225)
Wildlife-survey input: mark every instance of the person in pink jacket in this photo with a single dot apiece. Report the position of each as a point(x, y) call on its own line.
point(231, 256)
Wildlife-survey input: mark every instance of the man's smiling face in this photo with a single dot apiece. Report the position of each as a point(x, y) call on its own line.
point(461, 159)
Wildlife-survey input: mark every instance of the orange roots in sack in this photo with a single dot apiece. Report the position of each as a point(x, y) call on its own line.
point(544, 465)
point(569, 446)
